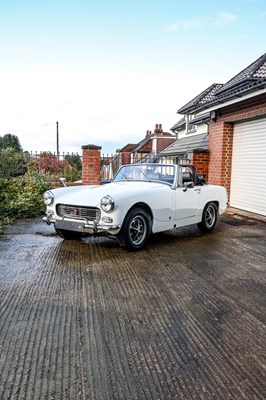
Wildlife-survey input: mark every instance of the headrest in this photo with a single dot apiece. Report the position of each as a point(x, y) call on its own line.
point(187, 177)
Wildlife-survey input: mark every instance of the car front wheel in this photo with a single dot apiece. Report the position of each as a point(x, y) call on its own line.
point(209, 218)
point(135, 230)
point(68, 235)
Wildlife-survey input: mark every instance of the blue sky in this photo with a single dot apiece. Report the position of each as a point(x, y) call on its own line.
point(110, 70)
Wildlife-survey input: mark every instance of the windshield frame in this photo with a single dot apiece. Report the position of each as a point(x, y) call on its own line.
point(129, 172)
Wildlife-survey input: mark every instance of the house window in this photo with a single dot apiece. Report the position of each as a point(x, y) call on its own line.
point(190, 127)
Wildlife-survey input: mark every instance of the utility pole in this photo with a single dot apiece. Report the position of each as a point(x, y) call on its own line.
point(57, 140)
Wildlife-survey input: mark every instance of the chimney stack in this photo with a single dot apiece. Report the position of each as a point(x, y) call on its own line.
point(158, 128)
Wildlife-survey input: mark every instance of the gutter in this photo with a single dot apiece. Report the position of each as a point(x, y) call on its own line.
point(225, 103)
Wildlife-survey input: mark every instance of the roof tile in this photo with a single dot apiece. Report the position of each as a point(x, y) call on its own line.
point(251, 79)
point(187, 143)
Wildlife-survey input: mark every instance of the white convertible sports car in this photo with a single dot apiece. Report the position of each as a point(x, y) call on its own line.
point(142, 199)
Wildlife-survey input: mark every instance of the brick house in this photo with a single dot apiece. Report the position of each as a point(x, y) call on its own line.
point(149, 147)
point(189, 150)
point(153, 143)
point(192, 131)
point(235, 119)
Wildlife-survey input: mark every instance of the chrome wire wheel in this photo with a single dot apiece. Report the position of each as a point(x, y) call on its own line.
point(135, 230)
point(210, 216)
point(138, 230)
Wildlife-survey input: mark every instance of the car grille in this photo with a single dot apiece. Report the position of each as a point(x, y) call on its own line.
point(90, 213)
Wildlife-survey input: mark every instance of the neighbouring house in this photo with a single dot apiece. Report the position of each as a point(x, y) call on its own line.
point(147, 149)
point(125, 153)
point(235, 119)
point(111, 164)
point(192, 149)
point(192, 134)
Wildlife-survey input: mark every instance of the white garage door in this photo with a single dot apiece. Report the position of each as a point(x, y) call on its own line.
point(248, 179)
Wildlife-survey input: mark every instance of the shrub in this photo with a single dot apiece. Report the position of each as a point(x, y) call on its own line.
point(48, 164)
point(22, 197)
point(12, 163)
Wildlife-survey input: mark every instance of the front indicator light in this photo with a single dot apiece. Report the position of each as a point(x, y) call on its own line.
point(107, 220)
point(48, 198)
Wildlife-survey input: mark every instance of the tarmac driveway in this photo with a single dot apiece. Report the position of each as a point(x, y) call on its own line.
point(182, 319)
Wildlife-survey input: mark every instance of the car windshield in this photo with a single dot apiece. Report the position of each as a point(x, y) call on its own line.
point(147, 172)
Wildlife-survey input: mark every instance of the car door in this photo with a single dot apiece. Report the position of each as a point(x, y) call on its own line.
point(187, 200)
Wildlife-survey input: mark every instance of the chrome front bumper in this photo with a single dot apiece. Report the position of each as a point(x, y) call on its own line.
point(81, 225)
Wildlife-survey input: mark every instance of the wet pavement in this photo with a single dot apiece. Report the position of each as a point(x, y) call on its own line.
point(182, 319)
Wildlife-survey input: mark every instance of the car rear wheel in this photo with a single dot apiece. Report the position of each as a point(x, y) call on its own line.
point(68, 235)
point(209, 218)
point(135, 230)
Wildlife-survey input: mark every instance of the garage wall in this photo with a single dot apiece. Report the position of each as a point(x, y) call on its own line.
point(221, 135)
point(248, 175)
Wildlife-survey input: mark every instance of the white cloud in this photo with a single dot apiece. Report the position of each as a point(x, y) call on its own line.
point(199, 23)
point(223, 19)
point(195, 23)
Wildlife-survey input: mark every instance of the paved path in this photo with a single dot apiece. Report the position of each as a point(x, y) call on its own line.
point(182, 319)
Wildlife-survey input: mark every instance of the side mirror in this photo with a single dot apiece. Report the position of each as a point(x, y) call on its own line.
point(63, 181)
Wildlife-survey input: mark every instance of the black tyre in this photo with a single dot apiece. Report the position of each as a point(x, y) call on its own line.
point(68, 235)
point(209, 218)
point(135, 230)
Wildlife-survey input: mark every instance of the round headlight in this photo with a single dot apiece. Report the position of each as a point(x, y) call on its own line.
point(107, 204)
point(48, 198)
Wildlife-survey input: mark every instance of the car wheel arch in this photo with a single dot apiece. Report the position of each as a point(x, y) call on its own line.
point(144, 207)
point(216, 202)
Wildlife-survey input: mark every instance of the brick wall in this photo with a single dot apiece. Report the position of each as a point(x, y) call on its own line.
point(221, 136)
point(200, 160)
point(125, 157)
point(91, 164)
point(162, 143)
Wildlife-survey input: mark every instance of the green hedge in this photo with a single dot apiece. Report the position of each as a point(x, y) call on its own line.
point(21, 197)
